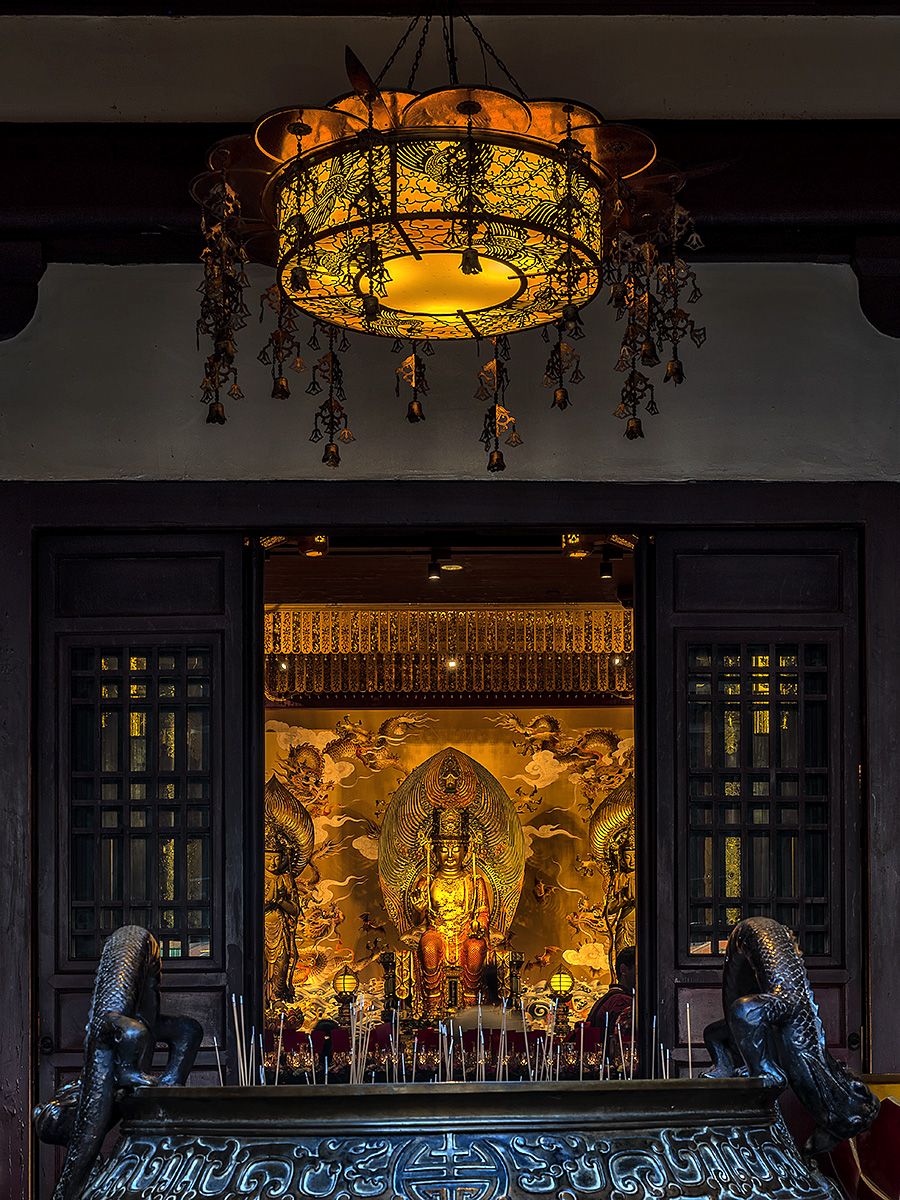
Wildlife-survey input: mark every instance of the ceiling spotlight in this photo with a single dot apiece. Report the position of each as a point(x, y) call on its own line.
point(577, 545)
point(283, 666)
point(451, 566)
point(434, 569)
point(451, 664)
point(606, 571)
point(314, 545)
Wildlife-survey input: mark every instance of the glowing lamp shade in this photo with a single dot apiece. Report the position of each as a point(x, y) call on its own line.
point(345, 983)
point(424, 188)
point(561, 982)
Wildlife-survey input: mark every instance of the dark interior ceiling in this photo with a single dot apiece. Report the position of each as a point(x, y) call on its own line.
point(525, 569)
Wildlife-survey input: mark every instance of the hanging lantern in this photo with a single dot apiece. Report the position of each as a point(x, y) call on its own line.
point(462, 212)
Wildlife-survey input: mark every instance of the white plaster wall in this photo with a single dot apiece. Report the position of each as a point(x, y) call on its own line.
point(792, 384)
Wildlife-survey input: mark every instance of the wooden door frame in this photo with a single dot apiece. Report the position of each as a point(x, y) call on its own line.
point(251, 507)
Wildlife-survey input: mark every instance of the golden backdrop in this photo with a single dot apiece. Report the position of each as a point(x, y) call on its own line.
point(569, 775)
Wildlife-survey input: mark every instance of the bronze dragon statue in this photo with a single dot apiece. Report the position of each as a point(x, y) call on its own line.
point(124, 1025)
point(772, 1024)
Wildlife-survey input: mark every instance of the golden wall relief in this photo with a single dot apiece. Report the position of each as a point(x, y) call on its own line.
point(465, 841)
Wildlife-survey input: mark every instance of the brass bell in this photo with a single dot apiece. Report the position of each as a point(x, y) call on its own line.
point(633, 429)
point(299, 280)
point(371, 308)
point(331, 457)
point(560, 399)
point(280, 389)
point(618, 295)
point(569, 319)
point(225, 350)
point(649, 357)
point(215, 413)
point(470, 264)
point(415, 412)
point(675, 372)
point(495, 461)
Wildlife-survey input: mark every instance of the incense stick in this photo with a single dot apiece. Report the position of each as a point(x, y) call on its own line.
point(653, 1051)
point(244, 1040)
point(603, 1055)
point(581, 1056)
point(690, 1060)
point(631, 1047)
point(219, 1063)
point(415, 1056)
point(621, 1048)
point(262, 1062)
point(312, 1058)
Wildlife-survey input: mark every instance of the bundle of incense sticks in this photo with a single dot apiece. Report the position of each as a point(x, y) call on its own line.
point(527, 1050)
point(278, 1052)
point(243, 1060)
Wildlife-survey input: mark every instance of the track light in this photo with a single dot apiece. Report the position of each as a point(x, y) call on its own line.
point(434, 569)
point(606, 571)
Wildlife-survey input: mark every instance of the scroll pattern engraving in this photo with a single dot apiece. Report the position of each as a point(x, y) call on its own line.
point(725, 1163)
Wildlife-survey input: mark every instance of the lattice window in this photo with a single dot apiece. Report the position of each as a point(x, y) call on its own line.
point(758, 786)
point(139, 773)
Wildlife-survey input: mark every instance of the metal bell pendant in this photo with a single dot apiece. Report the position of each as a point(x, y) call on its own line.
point(633, 429)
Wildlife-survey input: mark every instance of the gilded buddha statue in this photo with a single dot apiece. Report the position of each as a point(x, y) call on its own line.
point(451, 859)
point(454, 903)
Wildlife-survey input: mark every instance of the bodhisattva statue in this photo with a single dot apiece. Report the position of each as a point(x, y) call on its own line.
point(452, 899)
point(281, 911)
point(290, 837)
point(451, 859)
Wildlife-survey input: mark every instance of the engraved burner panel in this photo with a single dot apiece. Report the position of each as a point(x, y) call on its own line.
point(728, 1156)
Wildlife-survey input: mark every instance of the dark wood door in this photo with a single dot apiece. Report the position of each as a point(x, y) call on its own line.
point(754, 806)
point(141, 764)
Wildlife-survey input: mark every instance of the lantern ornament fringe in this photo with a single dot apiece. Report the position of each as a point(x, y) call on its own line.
point(462, 212)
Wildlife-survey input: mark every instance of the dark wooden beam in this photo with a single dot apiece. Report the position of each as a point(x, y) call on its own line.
point(781, 190)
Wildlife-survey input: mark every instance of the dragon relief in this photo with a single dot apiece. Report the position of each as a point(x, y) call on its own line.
point(374, 750)
point(600, 766)
point(545, 732)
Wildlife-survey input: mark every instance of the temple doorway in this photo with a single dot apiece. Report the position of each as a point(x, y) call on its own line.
point(449, 798)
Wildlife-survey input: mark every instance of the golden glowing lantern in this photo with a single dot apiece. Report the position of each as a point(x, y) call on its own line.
point(388, 201)
point(345, 983)
point(461, 212)
point(561, 983)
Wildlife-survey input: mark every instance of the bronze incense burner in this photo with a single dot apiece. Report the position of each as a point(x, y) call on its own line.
point(721, 1139)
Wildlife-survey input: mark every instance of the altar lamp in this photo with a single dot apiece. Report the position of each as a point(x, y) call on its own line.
point(560, 985)
point(345, 984)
